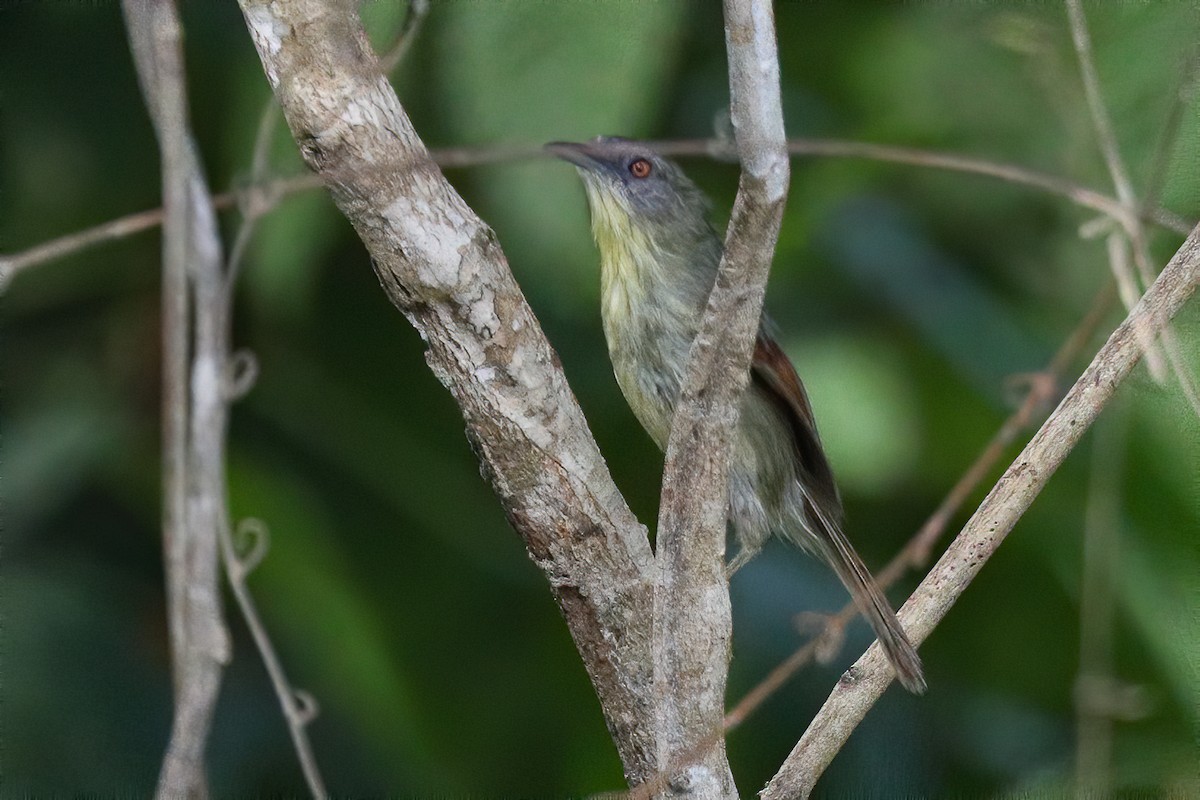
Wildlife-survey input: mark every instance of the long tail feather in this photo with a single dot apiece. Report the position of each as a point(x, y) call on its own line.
point(870, 599)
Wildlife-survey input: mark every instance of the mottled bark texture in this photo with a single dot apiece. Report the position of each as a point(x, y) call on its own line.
point(442, 267)
point(653, 635)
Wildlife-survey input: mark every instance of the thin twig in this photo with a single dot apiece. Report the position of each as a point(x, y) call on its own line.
point(864, 683)
point(253, 204)
point(1101, 121)
point(837, 148)
point(275, 190)
point(63, 246)
point(1109, 148)
point(1131, 223)
point(299, 708)
point(413, 19)
point(1043, 388)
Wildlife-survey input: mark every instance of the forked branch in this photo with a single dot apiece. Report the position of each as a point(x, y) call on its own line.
point(441, 266)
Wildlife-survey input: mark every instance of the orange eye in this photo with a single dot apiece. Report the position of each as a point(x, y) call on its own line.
point(640, 168)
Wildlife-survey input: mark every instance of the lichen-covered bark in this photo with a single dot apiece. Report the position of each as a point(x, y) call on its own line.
point(441, 266)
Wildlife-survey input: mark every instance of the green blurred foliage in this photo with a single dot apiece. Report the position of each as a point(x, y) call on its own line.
point(394, 589)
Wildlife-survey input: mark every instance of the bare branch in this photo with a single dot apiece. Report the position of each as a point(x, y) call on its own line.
point(1131, 222)
point(1043, 389)
point(253, 205)
point(272, 191)
point(299, 708)
point(442, 267)
point(1101, 121)
point(952, 162)
point(239, 377)
point(194, 477)
point(1107, 139)
point(692, 622)
point(865, 682)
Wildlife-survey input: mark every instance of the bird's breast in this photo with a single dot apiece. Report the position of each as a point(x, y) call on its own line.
point(648, 350)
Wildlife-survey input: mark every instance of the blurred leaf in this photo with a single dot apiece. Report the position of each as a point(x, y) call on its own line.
point(1159, 584)
point(79, 708)
point(893, 260)
point(555, 70)
point(1162, 593)
point(49, 455)
point(288, 250)
point(1181, 189)
point(865, 410)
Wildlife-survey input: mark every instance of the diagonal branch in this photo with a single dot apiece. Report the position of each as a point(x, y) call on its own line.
point(1101, 121)
point(865, 682)
point(442, 267)
point(299, 707)
point(1043, 388)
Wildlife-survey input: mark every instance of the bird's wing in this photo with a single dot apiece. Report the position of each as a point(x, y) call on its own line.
point(772, 372)
point(774, 375)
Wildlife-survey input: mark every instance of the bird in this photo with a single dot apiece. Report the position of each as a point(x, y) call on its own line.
point(659, 255)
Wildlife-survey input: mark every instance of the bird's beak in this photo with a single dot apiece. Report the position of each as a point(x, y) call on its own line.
point(581, 154)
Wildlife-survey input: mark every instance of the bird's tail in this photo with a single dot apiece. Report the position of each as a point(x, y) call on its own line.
point(869, 598)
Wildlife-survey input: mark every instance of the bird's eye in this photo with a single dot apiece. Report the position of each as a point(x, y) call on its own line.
point(639, 168)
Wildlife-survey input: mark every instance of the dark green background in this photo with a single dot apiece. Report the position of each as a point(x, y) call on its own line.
point(394, 588)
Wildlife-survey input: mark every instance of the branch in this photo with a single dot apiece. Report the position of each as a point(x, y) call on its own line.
point(1043, 389)
point(414, 18)
point(952, 162)
point(1107, 139)
point(442, 267)
point(299, 707)
point(1131, 222)
point(1101, 121)
point(864, 683)
point(272, 191)
point(692, 623)
point(193, 437)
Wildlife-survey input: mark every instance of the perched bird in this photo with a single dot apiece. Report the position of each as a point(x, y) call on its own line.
point(658, 262)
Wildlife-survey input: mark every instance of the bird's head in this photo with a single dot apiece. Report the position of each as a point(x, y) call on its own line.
point(636, 194)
